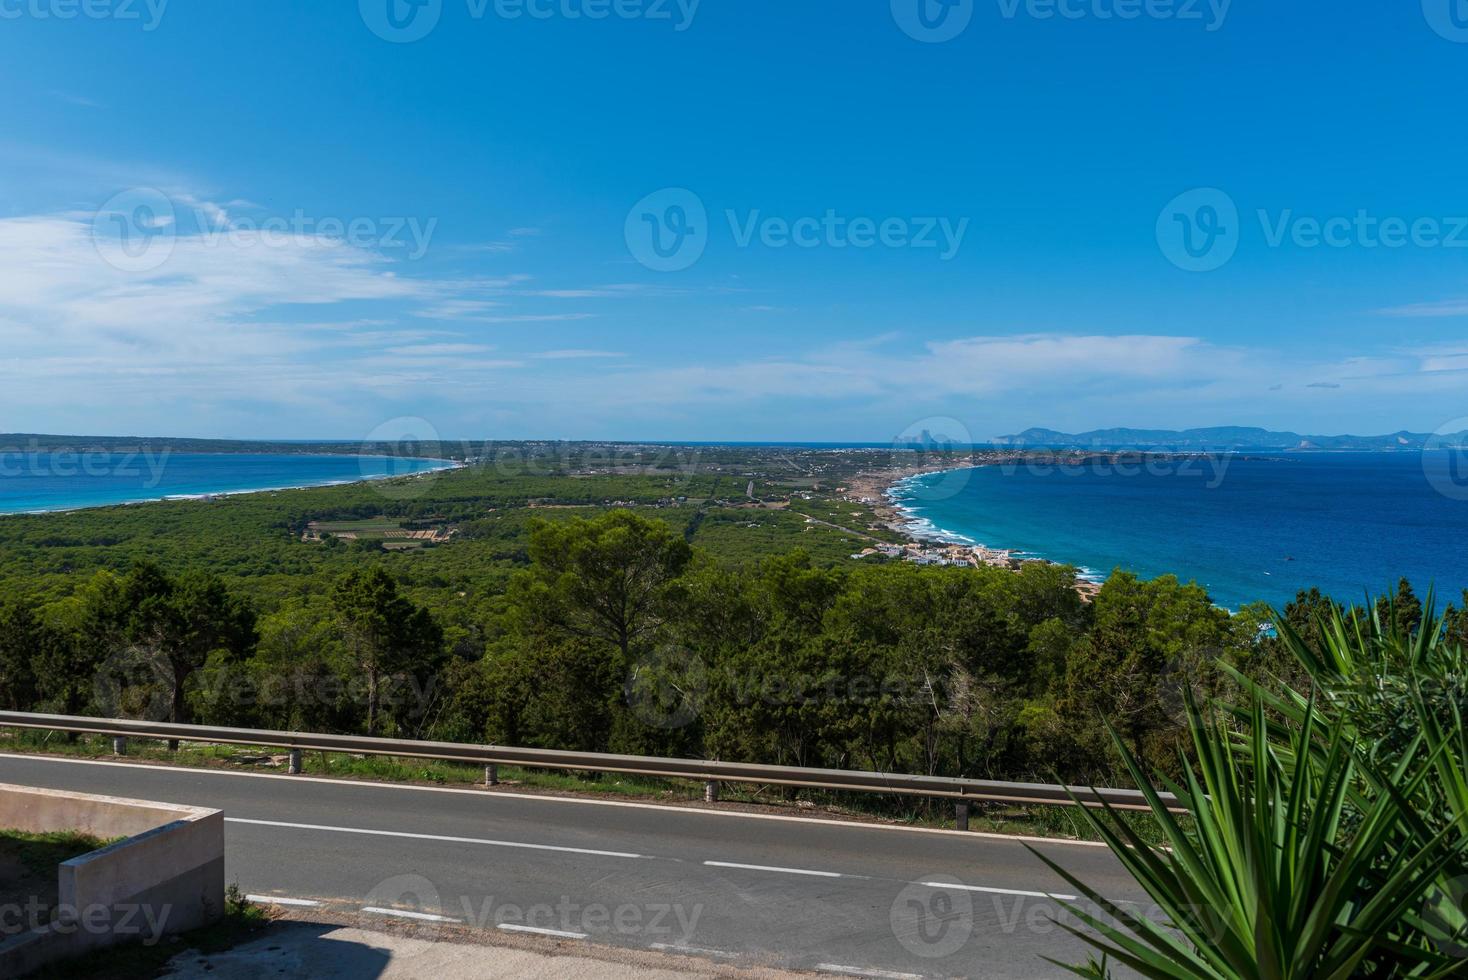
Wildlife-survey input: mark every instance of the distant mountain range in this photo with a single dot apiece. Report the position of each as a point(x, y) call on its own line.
point(1223, 437)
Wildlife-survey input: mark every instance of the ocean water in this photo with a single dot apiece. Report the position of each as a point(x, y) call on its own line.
point(1256, 527)
point(33, 482)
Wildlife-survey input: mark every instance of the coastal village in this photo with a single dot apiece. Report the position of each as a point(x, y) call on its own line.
point(936, 553)
point(873, 490)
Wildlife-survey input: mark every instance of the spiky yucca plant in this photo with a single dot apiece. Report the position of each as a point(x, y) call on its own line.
point(1292, 869)
point(1399, 693)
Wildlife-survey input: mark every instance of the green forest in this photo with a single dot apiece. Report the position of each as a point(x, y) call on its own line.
point(648, 607)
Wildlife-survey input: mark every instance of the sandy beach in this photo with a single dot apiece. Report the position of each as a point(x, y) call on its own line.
point(875, 489)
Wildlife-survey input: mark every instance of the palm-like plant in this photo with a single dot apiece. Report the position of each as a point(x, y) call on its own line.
point(1302, 862)
point(1392, 688)
point(1397, 693)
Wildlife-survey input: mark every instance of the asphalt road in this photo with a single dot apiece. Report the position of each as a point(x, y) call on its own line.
point(775, 891)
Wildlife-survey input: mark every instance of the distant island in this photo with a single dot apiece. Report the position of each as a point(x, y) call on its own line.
point(1224, 437)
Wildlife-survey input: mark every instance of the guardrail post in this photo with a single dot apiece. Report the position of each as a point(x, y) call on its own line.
point(960, 816)
point(711, 791)
point(119, 745)
point(295, 764)
point(491, 775)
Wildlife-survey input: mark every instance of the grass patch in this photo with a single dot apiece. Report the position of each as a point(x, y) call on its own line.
point(28, 869)
point(51, 847)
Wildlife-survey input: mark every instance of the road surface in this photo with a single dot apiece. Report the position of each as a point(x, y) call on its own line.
point(786, 892)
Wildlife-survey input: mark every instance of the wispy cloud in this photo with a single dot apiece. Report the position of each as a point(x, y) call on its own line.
point(621, 290)
point(315, 329)
point(437, 350)
point(492, 247)
point(575, 293)
point(1441, 308)
point(1444, 357)
point(527, 318)
point(77, 100)
point(228, 318)
point(574, 355)
point(457, 309)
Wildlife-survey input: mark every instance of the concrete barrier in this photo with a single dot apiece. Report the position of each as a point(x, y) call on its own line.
point(165, 877)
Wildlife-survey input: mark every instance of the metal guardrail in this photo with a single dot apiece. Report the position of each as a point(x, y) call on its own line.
point(962, 791)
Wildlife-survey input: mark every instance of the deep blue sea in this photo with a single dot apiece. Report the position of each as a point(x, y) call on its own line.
point(1248, 528)
point(31, 481)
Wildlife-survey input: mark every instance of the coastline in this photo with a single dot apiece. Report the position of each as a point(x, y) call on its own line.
point(922, 528)
point(891, 495)
point(447, 464)
point(930, 543)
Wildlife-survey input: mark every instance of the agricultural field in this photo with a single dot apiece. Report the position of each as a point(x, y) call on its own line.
point(391, 535)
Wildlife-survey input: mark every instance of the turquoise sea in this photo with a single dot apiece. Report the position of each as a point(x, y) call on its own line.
point(1254, 527)
point(39, 481)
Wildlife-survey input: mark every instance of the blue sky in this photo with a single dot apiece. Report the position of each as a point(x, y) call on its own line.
point(291, 220)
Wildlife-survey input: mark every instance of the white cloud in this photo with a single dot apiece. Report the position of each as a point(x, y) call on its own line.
point(572, 355)
point(494, 247)
point(965, 368)
point(527, 318)
point(458, 309)
point(611, 291)
point(226, 318)
point(316, 330)
point(437, 350)
point(574, 293)
point(994, 363)
point(1442, 308)
point(76, 100)
point(51, 272)
point(1446, 362)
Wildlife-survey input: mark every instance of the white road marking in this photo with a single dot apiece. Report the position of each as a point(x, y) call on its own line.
point(436, 837)
point(766, 867)
point(277, 900)
point(692, 950)
point(857, 971)
point(978, 835)
point(558, 933)
point(403, 914)
point(543, 847)
point(999, 891)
